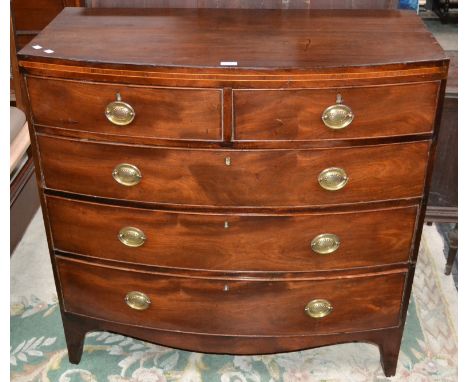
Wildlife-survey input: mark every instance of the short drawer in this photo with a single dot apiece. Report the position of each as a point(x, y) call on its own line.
point(233, 177)
point(378, 111)
point(232, 307)
point(232, 242)
point(165, 113)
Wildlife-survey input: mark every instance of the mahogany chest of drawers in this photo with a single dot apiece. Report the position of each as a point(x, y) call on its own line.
point(234, 181)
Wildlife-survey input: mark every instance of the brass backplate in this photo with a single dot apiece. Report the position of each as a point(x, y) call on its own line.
point(337, 116)
point(318, 308)
point(120, 113)
point(333, 178)
point(131, 237)
point(325, 243)
point(137, 300)
point(127, 174)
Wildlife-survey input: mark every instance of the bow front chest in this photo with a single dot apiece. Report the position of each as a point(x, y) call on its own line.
point(234, 181)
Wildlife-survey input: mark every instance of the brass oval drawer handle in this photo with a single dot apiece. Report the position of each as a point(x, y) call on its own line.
point(325, 243)
point(337, 116)
point(318, 308)
point(119, 113)
point(137, 300)
point(333, 179)
point(127, 174)
point(131, 237)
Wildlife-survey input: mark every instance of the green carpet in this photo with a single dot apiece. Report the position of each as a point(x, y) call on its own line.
point(38, 351)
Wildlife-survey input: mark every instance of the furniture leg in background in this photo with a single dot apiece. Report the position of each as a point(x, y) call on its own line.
point(453, 249)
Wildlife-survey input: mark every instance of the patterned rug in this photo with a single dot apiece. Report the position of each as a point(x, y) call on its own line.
point(38, 351)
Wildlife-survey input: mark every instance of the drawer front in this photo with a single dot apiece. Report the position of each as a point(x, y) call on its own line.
point(221, 306)
point(233, 178)
point(166, 113)
point(381, 111)
point(232, 242)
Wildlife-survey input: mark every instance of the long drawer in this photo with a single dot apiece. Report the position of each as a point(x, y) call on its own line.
point(166, 113)
point(233, 177)
point(232, 242)
point(357, 112)
point(224, 306)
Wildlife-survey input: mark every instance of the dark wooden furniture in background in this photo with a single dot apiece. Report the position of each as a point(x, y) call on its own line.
point(31, 16)
point(123, 144)
point(24, 198)
point(443, 196)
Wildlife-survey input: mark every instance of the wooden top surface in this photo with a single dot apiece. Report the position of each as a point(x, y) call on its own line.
point(255, 39)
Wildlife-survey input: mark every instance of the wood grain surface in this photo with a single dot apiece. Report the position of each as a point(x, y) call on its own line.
point(166, 113)
point(254, 178)
point(379, 111)
point(261, 39)
point(267, 193)
point(246, 4)
point(243, 307)
point(233, 242)
point(387, 340)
